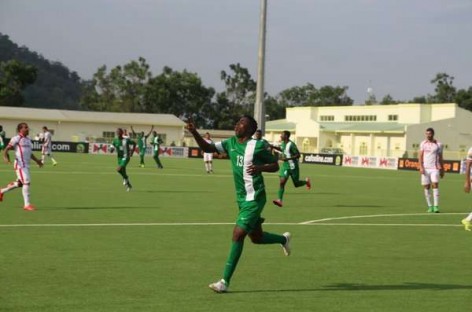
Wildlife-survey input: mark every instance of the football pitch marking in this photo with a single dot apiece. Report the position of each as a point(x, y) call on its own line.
point(379, 215)
point(312, 222)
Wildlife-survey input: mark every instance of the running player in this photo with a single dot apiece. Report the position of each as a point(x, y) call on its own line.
point(46, 149)
point(2, 138)
point(141, 138)
point(467, 222)
point(431, 168)
point(23, 147)
point(156, 143)
point(124, 150)
point(208, 157)
point(249, 158)
point(290, 167)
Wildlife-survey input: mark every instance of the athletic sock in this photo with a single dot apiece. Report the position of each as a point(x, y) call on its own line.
point(299, 183)
point(281, 193)
point(427, 195)
point(270, 238)
point(26, 194)
point(9, 187)
point(469, 217)
point(232, 262)
point(436, 197)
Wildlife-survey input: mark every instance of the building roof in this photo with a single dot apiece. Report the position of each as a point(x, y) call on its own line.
point(27, 114)
point(280, 125)
point(366, 126)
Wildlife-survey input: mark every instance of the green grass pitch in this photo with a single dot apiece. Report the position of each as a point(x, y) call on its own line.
point(362, 241)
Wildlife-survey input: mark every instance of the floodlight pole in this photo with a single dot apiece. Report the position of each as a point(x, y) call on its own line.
point(259, 107)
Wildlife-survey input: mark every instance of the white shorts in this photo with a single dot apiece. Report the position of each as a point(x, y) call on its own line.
point(23, 174)
point(430, 176)
point(207, 156)
point(46, 150)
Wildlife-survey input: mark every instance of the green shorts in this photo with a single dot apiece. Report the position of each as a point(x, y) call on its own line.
point(123, 162)
point(294, 173)
point(249, 216)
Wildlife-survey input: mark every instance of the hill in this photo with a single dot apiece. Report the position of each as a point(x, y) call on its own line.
point(55, 87)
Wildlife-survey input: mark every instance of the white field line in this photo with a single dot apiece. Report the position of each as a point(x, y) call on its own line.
point(379, 215)
point(312, 222)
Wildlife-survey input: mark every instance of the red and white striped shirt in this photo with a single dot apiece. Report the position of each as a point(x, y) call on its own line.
point(23, 150)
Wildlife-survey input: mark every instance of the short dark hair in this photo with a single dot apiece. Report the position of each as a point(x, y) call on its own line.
point(430, 130)
point(252, 123)
point(20, 126)
point(287, 133)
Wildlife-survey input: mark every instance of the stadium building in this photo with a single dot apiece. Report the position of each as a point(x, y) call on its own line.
point(375, 130)
point(84, 126)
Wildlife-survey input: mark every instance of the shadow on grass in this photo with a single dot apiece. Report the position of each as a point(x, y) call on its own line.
point(366, 287)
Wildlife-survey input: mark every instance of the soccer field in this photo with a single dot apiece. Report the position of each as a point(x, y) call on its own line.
point(362, 241)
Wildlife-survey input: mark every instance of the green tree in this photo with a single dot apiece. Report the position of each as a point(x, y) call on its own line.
point(309, 95)
point(464, 98)
point(180, 93)
point(123, 89)
point(387, 100)
point(445, 91)
point(14, 77)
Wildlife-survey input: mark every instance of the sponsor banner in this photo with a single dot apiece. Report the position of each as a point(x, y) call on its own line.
point(322, 159)
point(196, 152)
point(68, 147)
point(453, 166)
point(390, 163)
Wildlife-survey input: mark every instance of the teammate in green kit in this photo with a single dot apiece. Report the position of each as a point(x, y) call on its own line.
point(156, 142)
point(290, 168)
point(249, 158)
point(141, 138)
point(124, 149)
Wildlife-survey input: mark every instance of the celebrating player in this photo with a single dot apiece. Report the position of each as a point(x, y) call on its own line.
point(142, 144)
point(124, 150)
point(156, 143)
point(290, 168)
point(431, 168)
point(23, 147)
point(249, 158)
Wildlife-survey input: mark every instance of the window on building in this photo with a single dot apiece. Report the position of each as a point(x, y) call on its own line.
point(326, 118)
point(108, 135)
point(392, 117)
point(360, 118)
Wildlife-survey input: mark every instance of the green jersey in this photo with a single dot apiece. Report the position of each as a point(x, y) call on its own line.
point(288, 150)
point(123, 147)
point(242, 155)
point(156, 142)
point(141, 139)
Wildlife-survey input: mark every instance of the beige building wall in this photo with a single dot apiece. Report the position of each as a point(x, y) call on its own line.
point(453, 126)
point(65, 125)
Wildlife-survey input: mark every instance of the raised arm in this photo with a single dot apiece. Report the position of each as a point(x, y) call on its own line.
point(150, 131)
point(132, 131)
point(204, 145)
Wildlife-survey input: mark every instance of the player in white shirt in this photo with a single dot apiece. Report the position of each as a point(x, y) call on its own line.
point(467, 222)
point(23, 148)
point(431, 168)
point(208, 157)
point(47, 146)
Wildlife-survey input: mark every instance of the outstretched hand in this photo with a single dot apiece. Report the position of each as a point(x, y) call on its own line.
point(190, 124)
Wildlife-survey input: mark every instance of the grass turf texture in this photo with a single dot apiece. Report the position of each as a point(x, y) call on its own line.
point(158, 247)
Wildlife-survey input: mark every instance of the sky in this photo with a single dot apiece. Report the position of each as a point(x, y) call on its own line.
point(395, 47)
